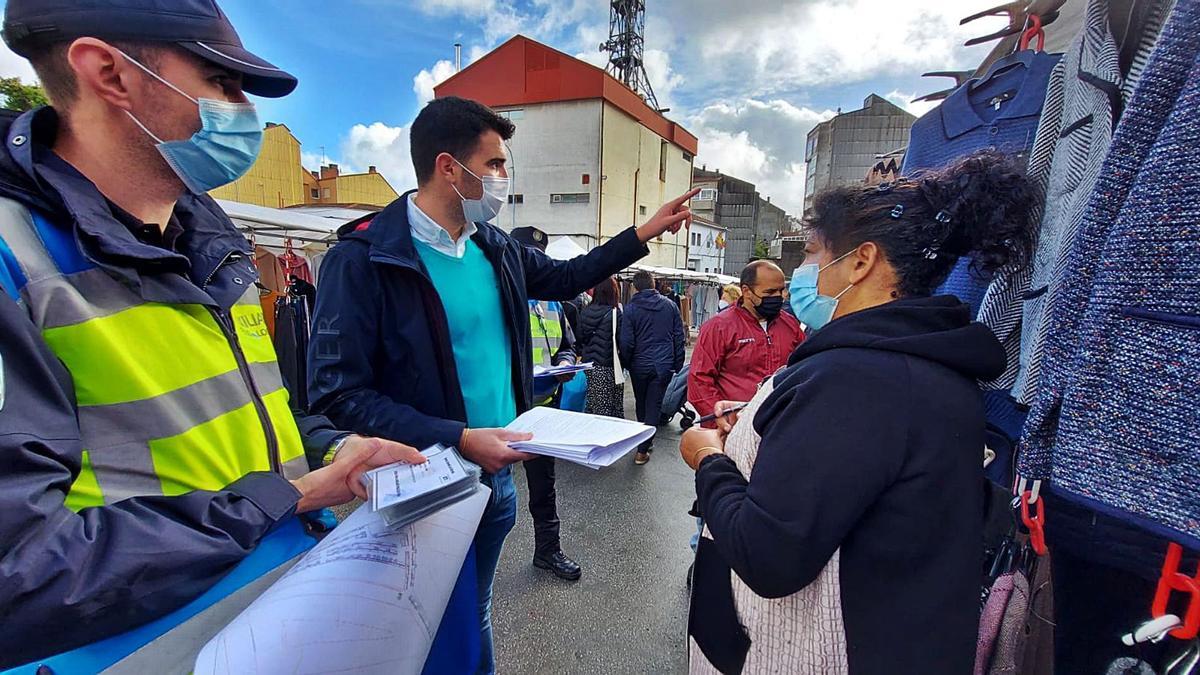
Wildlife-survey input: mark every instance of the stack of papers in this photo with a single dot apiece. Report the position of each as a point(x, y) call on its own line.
point(540, 371)
point(591, 440)
point(405, 493)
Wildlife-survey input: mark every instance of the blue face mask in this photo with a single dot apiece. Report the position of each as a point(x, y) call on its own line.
point(811, 308)
point(221, 152)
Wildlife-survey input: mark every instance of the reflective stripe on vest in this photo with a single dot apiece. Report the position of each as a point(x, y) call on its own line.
point(163, 407)
point(546, 329)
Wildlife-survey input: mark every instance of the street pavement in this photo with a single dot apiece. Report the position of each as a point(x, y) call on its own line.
point(628, 527)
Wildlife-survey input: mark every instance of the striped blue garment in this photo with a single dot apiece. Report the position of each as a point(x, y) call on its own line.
point(1082, 103)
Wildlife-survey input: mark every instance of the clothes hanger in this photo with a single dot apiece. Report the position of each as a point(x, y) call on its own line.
point(960, 77)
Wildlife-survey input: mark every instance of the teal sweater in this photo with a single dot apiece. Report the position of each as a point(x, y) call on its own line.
point(483, 356)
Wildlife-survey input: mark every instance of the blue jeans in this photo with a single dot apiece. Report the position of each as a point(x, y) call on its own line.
point(498, 519)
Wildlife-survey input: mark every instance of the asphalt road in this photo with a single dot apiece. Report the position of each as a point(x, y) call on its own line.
point(628, 527)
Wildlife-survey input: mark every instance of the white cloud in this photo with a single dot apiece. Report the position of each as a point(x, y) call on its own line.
point(765, 47)
point(906, 101)
point(761, 142)
point(13, 65)
point(382, 146)
point(427, 79)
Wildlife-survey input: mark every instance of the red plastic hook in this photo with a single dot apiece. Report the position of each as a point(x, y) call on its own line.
point(1037, 534)
point(1034, 30)
point(1174, 580)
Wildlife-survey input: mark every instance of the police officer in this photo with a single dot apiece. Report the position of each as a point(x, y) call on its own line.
point(553, 345)
point(145, 433)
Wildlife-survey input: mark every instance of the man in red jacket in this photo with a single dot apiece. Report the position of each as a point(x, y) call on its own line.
point(743, 345)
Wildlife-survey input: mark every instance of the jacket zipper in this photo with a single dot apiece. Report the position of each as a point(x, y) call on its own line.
point(226, 324)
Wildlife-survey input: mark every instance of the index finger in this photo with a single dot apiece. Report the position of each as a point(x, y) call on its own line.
point(684, 197)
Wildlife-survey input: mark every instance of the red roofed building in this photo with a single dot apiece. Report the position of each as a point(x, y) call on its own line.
point(590, 157)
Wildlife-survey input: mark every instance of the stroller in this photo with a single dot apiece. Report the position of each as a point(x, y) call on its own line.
point(675, 401)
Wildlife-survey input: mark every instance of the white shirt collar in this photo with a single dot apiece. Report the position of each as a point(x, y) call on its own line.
point(428, 232)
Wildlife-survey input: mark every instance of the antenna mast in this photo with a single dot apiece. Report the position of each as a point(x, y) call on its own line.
point(626, 41)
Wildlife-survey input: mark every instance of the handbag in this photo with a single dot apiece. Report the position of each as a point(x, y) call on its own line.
point(618, 370)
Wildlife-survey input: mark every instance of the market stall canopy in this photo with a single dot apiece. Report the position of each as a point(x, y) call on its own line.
point(673, 274)
point(564, 248)
point(270, 227)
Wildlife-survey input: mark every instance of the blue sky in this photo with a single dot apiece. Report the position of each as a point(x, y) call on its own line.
point(749, 78)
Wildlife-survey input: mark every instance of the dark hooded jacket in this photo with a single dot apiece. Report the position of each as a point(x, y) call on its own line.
point(650, 337)
point(872, 444)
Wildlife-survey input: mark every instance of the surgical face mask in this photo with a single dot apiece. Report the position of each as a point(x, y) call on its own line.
point(721, 304)
point(221, 152)
point(811, 308)
point(487, 207)
point(769, 307)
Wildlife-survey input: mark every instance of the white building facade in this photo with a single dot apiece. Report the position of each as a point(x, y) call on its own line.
point(706, 247)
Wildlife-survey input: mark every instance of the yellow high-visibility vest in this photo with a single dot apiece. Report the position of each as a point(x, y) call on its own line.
point(171, 397)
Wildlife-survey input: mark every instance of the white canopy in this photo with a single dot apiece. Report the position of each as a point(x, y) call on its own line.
point(686, 275)
point(564, 248)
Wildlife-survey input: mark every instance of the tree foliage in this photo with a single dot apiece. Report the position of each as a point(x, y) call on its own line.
point(21, 96)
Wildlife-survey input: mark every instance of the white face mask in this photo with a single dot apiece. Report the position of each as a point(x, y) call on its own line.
point(486, 208)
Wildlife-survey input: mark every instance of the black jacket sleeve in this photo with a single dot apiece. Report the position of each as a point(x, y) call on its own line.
point(68, 578)
point(318, 434)
point(550, 279)
point(821, 464)
point(567, 352)
point(626, 336)
point(345, 330)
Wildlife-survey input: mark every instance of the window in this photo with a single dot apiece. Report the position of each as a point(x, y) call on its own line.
point(810, 148)
point(571, 198)
point(316, 194)
point(687, 156)
point(707, 195)
point(516, 199)
point(642, 210)
point(512, 115)
point(662, 161)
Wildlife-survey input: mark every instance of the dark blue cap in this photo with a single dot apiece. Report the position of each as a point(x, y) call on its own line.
point(198, 26)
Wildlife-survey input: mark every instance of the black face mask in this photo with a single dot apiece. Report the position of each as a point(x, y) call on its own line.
point(770, 307)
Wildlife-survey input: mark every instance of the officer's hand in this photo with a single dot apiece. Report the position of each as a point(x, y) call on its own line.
point(671, 216)
point(340, 482)
point(489, 448)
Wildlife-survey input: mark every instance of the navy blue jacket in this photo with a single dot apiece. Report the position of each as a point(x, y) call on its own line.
point(68, 578)
point(380, 360)
point(651, 337)
point(871, 445)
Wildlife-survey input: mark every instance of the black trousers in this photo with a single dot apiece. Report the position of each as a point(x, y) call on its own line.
point(648, 391)
point(543, 506)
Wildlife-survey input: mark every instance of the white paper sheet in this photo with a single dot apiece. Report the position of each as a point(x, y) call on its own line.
point(592, 440)
point(365, 600)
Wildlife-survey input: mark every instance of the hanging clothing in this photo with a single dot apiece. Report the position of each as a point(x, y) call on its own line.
point(1082, 106)
point(294, 265)
point(998, 111)
point(1115, 419)
point(270, 271)
point(292, 330)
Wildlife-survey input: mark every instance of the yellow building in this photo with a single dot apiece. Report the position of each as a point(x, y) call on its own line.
point(278, 179)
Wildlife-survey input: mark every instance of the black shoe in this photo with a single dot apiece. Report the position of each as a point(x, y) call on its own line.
point(558, 563)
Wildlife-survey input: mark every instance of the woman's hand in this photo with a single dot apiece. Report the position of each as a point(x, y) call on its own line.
point(725, 422)
point(698, 443)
